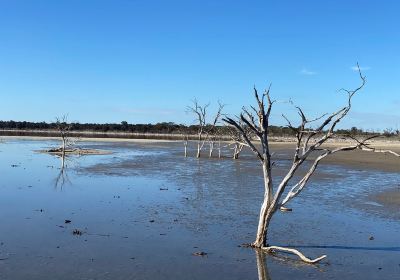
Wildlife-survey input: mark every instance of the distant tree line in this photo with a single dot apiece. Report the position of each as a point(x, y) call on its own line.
point(163, 128)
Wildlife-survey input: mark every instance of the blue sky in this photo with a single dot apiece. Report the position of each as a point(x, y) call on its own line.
point(143, 61)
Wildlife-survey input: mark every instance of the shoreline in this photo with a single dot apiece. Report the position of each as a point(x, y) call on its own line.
point(170, 136)
point(355, 159)
point(118, 137)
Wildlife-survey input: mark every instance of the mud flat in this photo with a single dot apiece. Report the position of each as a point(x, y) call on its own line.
point(357, 158)
point(386, 202)
point(79, 152)
point(146, 212)
point(391, 198)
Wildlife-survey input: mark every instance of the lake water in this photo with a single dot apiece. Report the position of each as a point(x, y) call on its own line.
point(145, 209)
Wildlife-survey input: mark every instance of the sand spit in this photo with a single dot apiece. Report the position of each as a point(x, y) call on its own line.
point(78, 152)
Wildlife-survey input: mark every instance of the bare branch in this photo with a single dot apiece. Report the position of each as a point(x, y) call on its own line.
point(245, 136)
point(201, 118)
point(272, 249)
point(304, 135)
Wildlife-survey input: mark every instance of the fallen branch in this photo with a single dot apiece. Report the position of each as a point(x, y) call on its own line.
point(371, 149)
point(271, 249)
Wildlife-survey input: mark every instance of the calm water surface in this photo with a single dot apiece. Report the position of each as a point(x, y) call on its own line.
point(145, 209)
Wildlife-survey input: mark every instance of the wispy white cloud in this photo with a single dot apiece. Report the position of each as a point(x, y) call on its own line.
point(307, 72)
point(362, 68)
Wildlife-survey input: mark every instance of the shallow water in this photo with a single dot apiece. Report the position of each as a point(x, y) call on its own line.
point(145, 209)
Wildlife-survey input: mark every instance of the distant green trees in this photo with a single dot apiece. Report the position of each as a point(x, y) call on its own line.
point(164, 128)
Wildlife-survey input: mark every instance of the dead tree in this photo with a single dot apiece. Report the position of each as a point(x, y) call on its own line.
point(308, 142)
point(204, 128)
point(238, 140)
point(184, 131)
point(211, 143)
point(63, 128)
point(219, 147)
point(219, 138)
point(185, 143)
point(214, 137)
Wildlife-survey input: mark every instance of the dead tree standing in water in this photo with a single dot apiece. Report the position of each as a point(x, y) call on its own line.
point(184, 131)
point(214, 137)
point(63, 128)
point(309, 142)
point(238, 140)
point(204, 129)
point(219, 139)
point(185, 143)
point(68, 144)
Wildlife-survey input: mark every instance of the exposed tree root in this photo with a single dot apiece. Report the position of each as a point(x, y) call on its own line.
point(271, 249)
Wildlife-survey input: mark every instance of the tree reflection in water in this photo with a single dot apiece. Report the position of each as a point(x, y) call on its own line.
point(262, 268)
point(62, 177)
point(262, 265)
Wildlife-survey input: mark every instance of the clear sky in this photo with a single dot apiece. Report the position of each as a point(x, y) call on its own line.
point(143, 61)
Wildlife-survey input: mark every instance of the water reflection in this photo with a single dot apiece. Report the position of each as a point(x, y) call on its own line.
point(62, 177)
point(287, 262)
point(262, 268)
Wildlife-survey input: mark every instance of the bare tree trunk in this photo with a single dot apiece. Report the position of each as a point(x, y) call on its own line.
point(263, 224)
point(235, 155)
point(185, 143)
point(237, 150)
point(198, 150)
point(211, 149)
point(266, 211)
point(63, 144)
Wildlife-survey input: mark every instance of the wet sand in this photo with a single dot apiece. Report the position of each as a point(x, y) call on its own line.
point(384, 202)
point(390, 198)
point(357, 158)
point(79, 152)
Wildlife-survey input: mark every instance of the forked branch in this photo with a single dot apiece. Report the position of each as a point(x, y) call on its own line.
point(309, 142)
point(204, 129)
